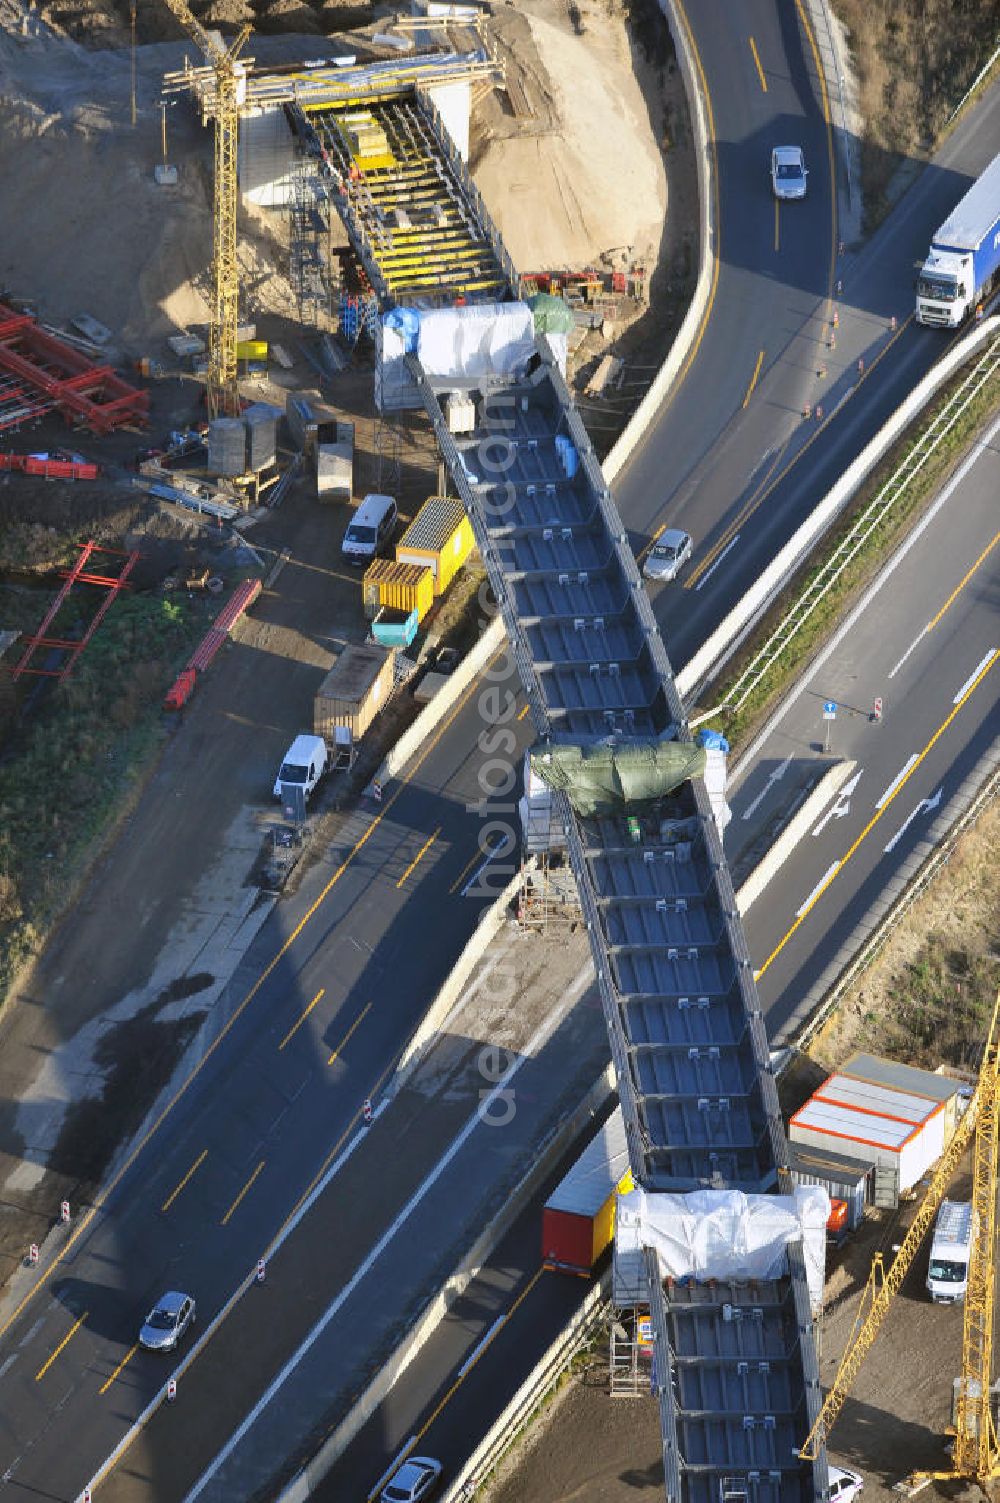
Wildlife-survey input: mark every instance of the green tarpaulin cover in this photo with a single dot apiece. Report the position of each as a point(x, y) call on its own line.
point(551, 314)
point(607, 778)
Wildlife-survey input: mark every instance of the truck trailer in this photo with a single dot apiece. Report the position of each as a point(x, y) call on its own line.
point(964, 257)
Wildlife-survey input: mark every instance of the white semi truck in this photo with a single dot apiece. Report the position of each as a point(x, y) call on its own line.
point(964, 258)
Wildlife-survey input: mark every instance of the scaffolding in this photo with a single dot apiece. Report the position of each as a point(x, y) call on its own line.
point(630, 1372)
point(308, 244)
point(547, 893)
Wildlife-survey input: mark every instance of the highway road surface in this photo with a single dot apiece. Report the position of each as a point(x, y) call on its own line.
point(340, 975)
point(926, 646)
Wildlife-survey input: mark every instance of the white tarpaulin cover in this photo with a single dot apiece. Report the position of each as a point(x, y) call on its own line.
point(724, 1234)
point(481, 339)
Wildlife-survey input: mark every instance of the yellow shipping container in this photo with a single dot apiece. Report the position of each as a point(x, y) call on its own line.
point(440, 537)
point(406, 587)
point(251, 349)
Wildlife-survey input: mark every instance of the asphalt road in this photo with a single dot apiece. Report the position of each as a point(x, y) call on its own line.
point(741, 478)
point(927, 645)
point(731, 435)
point(322, 1020)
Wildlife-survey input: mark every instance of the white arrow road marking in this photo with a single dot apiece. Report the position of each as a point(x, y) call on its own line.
point(974, 675)
point(924, 807)
point(842, 803)
point(776, 776)
point(810, 900)
point(901, 774)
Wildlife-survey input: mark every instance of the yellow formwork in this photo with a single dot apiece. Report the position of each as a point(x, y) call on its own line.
point(440, 538)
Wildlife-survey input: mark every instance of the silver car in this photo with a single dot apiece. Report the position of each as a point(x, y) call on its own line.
point(788, 172)
point(167, 1321)
point(415, 1480)
point(668, 554)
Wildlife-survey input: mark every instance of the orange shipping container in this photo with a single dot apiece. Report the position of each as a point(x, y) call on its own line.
point(439, 537)
point(404, 587)
point(358, 685)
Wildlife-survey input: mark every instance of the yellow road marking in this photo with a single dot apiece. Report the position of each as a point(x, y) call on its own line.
point(964, 581)
point(524, 712)
point(834, 239)
point(761, 496)
point(194, 1168)
point(296, 1026)
point(652, 542)
point(121, 1366)
point(753, 378)
point(835, 872)
point(68, 1337)
point(419, 856)
point(466, 869)
point(461, 1379)
point(100, 1200)
point(760, 70)
point(346, 1039)
point(246, 1187)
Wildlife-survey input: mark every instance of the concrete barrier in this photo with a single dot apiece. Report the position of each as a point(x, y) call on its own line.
point(490, 923)
point(447, 696)
point(715, 651)
point(301, 1486)
point(690, 330)
point(829, 785)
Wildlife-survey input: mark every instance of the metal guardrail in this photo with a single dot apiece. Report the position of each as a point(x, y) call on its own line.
point(866, 524)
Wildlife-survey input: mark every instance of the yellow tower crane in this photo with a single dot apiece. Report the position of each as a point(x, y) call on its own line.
point(223, 393)
point(975, 1455)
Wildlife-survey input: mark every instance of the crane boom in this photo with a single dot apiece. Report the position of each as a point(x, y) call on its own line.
point(975, 1453)
point(223, 394)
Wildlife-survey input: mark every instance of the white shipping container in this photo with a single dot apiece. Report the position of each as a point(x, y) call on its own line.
point(890, 1128)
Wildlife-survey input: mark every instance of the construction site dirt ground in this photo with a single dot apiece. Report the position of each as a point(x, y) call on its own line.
point(589, 1446)
point(95, 1029)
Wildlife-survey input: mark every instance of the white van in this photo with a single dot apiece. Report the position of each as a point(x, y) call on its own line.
point(370, 529)
point(302, 766)
point(948, 1271)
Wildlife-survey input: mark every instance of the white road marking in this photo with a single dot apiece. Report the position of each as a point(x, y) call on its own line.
point(974, 675)
point(501, 845)
point(30, 1336)
point(924, 807)
point(841, 804)
point(8, 1365)
point(899, 778)
point(481, 1345)
point(533, 1047)
point(914, 644)
point(709, 572)
point(810, 900)
point(776, 776)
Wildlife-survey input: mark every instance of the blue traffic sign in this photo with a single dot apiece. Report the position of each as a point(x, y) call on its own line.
point(829, 710)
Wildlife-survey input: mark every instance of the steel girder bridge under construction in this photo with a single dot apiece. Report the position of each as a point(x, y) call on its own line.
point(736, 1372)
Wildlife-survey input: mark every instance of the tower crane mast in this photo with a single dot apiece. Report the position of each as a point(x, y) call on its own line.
point(976, 1453)
point(223, 393)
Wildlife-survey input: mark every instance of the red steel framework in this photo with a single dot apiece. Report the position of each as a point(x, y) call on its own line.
point(38, 372)
point(79, 574)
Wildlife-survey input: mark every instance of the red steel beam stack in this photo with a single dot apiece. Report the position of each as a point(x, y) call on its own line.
point(89, 395)
point(51, 469)
point(240, 601)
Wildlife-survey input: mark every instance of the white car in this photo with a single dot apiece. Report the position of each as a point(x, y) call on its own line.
point(668, 555)
point(845, 1485)
point(302, 766)
point(788, 172)
point(415, 1480)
